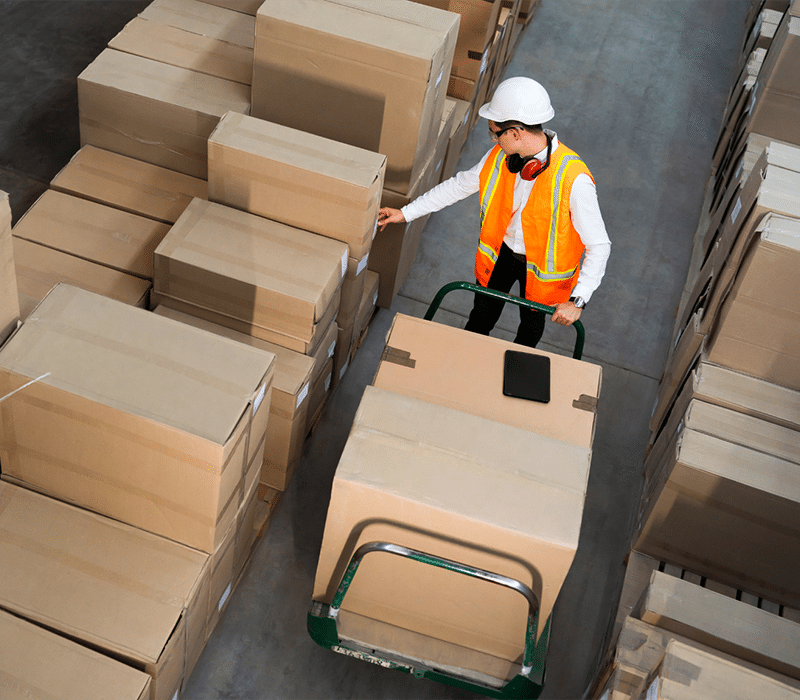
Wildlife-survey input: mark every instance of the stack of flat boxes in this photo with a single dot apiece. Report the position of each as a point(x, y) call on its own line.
point(720, 509)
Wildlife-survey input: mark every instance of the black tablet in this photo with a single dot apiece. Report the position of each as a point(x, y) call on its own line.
point(527, 376)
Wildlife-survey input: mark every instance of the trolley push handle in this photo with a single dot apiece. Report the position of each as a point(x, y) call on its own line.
point(450, 565)
point(577, 352)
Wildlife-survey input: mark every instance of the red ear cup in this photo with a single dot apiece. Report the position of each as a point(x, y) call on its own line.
point(532, 168)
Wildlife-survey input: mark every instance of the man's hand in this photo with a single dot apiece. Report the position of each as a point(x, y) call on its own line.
point(387, 215)
point(566, 313)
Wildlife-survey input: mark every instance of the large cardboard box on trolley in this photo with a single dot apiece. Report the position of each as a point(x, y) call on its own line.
point(300, 179)
point(250, 269)
point(92, 231)
point(40, 268)
point(9, 299)
point(286, 428)
point(35, 662)
point(138, 417)
point(125, 593)
point(372, 75)
point(462, 370)
point(154, 112)
point(128, 184)
point(461, 487)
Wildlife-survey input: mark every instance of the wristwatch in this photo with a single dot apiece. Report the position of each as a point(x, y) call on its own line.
point(580, 302)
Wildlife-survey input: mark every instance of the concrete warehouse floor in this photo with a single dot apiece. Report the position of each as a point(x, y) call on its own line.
point(639, 88)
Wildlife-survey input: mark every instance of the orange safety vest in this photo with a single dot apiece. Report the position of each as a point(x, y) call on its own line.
point(553, 248)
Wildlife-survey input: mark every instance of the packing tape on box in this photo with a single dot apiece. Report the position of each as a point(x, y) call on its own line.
point(680, 671)
point(586, 403)
point(33, 381)
point(398, 357)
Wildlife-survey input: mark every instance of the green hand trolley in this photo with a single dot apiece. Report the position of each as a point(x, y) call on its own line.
point(322, 617)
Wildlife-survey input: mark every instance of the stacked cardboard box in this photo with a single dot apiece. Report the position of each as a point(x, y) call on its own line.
point(72, 671)
point(448, 449)
point(118, 418)
point(372, 75)
point(288, 420)
point(308, 182)
point(720, 495)
point(9, 301)
point(130, 595)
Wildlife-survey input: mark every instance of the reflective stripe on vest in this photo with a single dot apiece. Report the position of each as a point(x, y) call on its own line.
point(550, 274)
point(491, 187)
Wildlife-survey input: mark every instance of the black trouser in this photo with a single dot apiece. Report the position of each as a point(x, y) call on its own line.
point(509, 268)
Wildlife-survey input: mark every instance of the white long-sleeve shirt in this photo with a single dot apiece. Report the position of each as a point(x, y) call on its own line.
point(583, 205)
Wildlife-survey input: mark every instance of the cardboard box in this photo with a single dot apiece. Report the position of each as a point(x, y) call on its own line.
point(128, 184)
point(123, 592)
point(756, 330)
point(206, 20)
point(154, 112)
point(461, 487)
point(95, 232)
point(37, 663)
point(352, 289)
point(458, 136)
point(248, 7)
point(299, 179)
point(40, 268)
point(288, 410)
point(121, 423)
point(722, 623)
point(475, 31)
point(178, 47)
point(727, 512)
point(366, 309)
point(317, 395)
point(420, 361)
point(251, 269)
point(687, 673)
point(310, 347)
point(372, 75)
point(9, 300)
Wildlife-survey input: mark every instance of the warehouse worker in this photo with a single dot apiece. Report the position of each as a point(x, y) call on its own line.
point(539, 213)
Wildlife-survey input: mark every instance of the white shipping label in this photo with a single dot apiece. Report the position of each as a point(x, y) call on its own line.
point(375, 299)
point(262, 392)
point(439, 78)
point(331, 349)
point(752, 98)
point(343, 370)
point(652, 691)
point(328, 382)
point(302, 395)
point(362, 264)
point(604, 696)
point(344, 264)
point(224, 596)
point(736, 209)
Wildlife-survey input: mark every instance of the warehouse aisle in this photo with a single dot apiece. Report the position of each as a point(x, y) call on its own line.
point(639, 87)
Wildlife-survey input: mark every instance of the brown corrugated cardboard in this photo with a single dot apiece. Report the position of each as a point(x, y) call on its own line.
point(286, 428)
point(95, 232)
point(203, 19)
point(722, 623)
point(40, 268)
point(759, 320)
point(462, 370)
point(9, 295)
point(475, 31)
point(317, 395)
point(36, 663)
point(154, 112)
point(727, 512)
point(249, 268)
point(306, 181)
point(689, 673)
point(352, 289)
point(457, 486)
point(369, 300)
point(372, 75)
point(310, 347)
point(121, 423)
point(184, 49)
point(249, 7)
point(122, 591)
point(129, 184)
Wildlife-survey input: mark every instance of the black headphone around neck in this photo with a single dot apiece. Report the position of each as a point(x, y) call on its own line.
point(529, 166)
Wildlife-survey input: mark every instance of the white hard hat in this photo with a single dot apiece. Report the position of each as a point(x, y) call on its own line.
point(519, 99)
